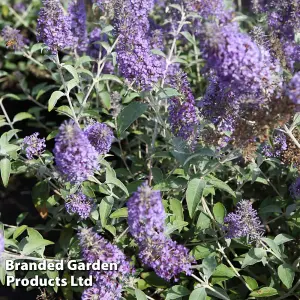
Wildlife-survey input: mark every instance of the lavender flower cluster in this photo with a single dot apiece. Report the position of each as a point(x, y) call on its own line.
point(108, 285)
point(79, 204)
point(279, 144)
point(135, 60)
point(183, 116)
point(243, 222)
point(13, 38)
point(33, 146)
point(76, 151)
point(146, 217)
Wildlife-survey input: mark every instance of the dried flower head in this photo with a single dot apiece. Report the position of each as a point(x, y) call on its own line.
point(244, 222)
point(33, 146)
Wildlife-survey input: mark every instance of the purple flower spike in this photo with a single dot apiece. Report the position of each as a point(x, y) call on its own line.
point(293, 90)
point(75, 157)
point(77, 15)
point(79, 204)
point(108, 285)
point(54, 26)
point(295, 189)
point(13, 38)
point(100, 136)
point(244, 222)
point(146, 214)
point(33, 146)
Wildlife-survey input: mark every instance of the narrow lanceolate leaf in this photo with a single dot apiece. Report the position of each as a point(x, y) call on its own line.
point(5, 166)
point(221, 185)
point(264, 292)
point(129, 114)
point(53, 99)
point(286, 275)
point(140, 295)
point(198, 294)
point(194, 194)
point(22, 116)
point(219, 212)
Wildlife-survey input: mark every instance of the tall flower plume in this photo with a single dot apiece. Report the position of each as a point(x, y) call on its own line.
point(1, 243)
point(183, 111)
point(237, 60)
point(54, 26)
point(243, 222)
point(77, 14)
point(146, 224)
point(108, 284)
point(75, 157)
point(135, 60)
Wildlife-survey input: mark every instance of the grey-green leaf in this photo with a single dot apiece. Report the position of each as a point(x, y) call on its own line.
point(140, 295)
point(5, 166)
point(129, 114)
point(53, 99)
point(194, 194)
point(198, 294)
point(286, 275)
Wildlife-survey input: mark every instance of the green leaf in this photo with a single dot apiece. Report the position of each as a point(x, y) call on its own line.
point(251, 282)
point(35, 244)
point(254, 256)
point(201, 251)
point(19, 231)
point(111, 78)
point(65, 110)
point(105, 99)
point(189, 37)
point(129, 114)
point(219, 212)
point(209, 265)
point(264, 292)
point(176, 207)
point(73, 71)
point(112, 179)
point(176, 292)
point(177, 225)
point(53, 99)
point(120, 213)
point(273, 246)
point(140, 295)
point(218, 293)
point(282, 238)
point(22, 116)
point(168, 93)
point(194, 194)
point(105, 209)
point(219, 184)
point(286, 275)
point(203, 221)
point(5, 166)
point(198, 294)
point(222, 273)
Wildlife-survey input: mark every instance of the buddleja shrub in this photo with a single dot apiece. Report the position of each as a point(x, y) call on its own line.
point(163, 137)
